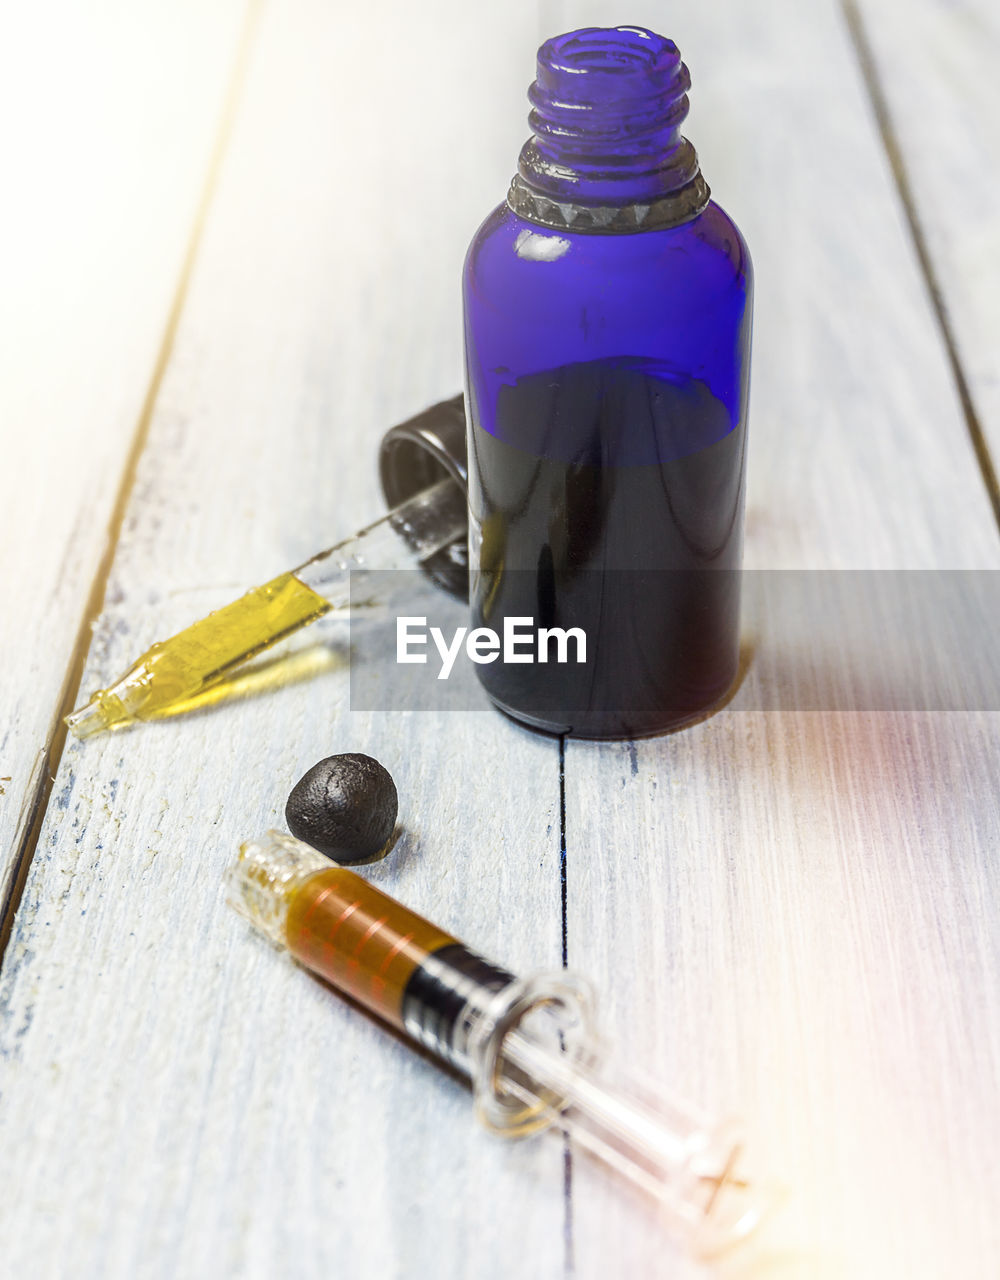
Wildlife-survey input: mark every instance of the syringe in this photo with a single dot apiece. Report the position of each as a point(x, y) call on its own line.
point(174, 670)
point(528, 1045)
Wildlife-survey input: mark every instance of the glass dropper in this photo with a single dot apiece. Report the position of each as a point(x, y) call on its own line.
point(177, 669)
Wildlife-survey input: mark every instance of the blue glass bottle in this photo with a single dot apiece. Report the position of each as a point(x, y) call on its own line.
point(607, 337)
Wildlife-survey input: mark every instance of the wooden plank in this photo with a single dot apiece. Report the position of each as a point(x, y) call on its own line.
point(933, 75)
point(112, 112)
point(793, 914)
point(145, 1081)
point(180, 1099)
point(808, 902)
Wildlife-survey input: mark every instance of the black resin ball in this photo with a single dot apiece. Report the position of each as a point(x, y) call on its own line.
point(345, 807)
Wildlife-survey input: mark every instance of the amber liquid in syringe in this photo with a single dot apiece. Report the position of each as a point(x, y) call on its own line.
point(176, 670)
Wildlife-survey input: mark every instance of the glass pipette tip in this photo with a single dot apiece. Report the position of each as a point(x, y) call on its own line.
point(175, 670)
point(528, 1046)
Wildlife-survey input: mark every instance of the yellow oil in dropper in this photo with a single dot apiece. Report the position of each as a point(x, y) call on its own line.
point(181, 667)
point(178, 669)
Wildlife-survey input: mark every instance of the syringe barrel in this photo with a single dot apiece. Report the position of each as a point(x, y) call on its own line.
point(388, 958)
point(529, 1046)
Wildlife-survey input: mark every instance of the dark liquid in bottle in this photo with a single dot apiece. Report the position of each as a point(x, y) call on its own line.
point(610, 498)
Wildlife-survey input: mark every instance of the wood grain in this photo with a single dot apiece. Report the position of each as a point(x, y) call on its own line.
point(796, 912)
point(179, 1098)
point(111, 114)
point(934, 70)
point(791, 914)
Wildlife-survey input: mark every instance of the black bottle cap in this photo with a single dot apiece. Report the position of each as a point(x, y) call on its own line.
point(418, 453)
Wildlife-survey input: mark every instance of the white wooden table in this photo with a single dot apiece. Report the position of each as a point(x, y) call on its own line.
point(232, 237)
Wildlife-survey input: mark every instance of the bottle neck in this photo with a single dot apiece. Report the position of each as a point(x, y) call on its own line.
point(606, 152)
